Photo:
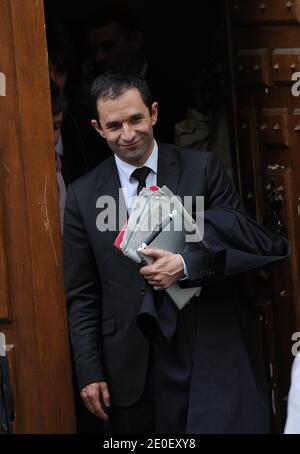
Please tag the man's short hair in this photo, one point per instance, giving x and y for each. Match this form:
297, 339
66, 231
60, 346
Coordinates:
111, 85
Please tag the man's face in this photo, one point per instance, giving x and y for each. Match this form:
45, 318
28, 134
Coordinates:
111, 49
57, 122
127, 126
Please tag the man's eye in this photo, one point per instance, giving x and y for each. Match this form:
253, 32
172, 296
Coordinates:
113, 127
136, 120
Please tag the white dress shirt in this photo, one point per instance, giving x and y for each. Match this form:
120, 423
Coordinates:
129, 184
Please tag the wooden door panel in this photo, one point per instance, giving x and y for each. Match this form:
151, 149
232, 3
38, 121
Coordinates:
3, 279
249, 162
264, 37
273, 127
285, 62
283, 284
32, 307
266, 315
254, 67
265, 11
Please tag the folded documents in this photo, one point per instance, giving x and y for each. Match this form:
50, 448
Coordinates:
159, 221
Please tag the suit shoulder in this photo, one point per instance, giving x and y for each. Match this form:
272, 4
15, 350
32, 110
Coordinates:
197, 155
190, 156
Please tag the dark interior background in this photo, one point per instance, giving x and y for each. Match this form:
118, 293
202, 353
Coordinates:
179, 39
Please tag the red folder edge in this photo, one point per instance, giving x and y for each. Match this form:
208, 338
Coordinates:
119, 238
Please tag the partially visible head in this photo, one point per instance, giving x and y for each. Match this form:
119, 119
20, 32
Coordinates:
61, 54
114, 40
58, 71
58, 107
125, 115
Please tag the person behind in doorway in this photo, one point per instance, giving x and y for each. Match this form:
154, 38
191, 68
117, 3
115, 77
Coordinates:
78, 143
58, 105
116, 42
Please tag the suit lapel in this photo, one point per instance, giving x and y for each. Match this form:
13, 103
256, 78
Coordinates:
110, 185
168, 167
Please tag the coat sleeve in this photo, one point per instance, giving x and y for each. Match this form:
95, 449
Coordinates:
83, 291
233, 242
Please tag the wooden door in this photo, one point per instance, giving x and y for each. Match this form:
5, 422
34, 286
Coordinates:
264, 39
32, 302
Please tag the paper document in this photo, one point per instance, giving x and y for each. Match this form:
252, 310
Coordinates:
159, 221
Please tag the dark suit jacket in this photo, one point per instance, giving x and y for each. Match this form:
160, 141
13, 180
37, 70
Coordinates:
105, 293
6, 398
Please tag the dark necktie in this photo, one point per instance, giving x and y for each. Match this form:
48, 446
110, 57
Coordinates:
140, 175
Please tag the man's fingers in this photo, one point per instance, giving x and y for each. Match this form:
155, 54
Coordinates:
92, 395
105, 396
146, 271
155, 253
150, 276
155, 281
96, 408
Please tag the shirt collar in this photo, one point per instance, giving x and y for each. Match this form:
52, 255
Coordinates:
126, 169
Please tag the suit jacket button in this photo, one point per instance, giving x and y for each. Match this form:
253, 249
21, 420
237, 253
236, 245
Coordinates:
142, 290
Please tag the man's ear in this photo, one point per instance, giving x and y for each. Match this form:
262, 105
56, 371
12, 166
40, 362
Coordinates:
154, 113
96, 125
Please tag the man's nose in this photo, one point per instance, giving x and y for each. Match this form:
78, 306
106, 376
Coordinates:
127, 133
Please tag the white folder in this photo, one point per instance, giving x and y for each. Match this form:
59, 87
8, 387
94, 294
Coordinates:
167, 238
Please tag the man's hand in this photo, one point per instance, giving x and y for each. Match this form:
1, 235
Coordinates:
166, 269
92, 396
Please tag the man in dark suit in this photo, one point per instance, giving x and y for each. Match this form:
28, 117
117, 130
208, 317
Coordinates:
200, 370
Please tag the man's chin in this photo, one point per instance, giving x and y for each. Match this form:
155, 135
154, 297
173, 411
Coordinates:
132, 157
